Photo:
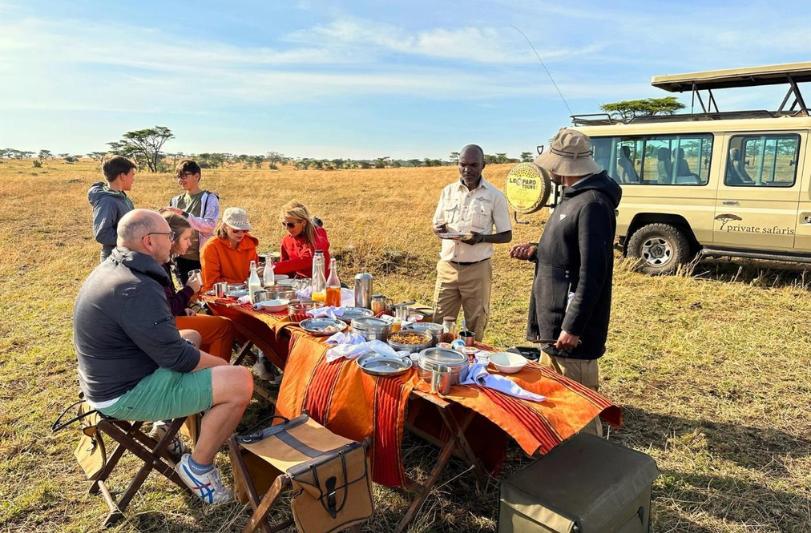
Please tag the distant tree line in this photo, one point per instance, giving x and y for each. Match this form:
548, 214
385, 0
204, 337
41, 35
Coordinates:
145, 147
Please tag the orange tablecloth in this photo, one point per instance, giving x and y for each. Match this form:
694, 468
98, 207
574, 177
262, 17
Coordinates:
356, 405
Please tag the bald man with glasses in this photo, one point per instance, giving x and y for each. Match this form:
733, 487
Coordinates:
133, 363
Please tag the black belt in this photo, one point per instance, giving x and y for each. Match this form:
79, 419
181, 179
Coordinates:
459, 263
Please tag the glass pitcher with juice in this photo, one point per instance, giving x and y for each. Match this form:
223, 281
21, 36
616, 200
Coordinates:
333, 292
319, 282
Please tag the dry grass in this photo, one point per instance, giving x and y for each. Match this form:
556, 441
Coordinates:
712, 366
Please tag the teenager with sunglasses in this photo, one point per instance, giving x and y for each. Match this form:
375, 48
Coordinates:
302, 240
227, 257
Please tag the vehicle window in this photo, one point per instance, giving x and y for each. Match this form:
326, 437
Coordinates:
762, 160
656, 159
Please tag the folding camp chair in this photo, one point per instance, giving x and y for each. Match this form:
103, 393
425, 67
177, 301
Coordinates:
154, 455
327, 474
91, 452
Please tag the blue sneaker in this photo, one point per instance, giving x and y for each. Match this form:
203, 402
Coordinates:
208, 487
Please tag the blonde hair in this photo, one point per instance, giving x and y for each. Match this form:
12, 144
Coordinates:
220, 231
298, 210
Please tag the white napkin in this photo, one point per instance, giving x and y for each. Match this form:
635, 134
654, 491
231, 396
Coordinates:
353, 351
305, 293
346, 338
477, 374
326, 312
244, 299
262, 305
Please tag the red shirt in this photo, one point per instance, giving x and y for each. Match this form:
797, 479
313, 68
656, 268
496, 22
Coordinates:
297, 255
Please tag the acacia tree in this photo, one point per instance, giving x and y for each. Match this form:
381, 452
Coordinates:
143, 145
645, 107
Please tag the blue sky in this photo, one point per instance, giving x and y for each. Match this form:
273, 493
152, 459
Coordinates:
360, 79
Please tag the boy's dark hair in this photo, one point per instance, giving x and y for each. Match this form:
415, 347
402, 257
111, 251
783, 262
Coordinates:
117, 165
187, 165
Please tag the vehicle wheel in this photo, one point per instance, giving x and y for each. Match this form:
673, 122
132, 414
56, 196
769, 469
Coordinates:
661, 247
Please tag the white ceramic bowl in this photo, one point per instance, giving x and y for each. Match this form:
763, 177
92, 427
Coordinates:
508, 362
278, 277
275, 306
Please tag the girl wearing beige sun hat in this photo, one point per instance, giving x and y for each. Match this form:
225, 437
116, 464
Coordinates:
227, 256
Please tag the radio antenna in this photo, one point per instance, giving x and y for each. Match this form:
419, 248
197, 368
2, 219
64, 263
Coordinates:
540, 60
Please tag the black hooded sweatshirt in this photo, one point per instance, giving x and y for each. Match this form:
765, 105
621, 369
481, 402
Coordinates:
575, 263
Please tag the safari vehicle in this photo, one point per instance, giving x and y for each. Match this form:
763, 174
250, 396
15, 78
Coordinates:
728, 184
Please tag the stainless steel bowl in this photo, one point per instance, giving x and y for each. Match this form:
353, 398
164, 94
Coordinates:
371, 328
433, 328
427, 340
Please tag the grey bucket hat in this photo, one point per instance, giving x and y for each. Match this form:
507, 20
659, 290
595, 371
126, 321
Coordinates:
569, 154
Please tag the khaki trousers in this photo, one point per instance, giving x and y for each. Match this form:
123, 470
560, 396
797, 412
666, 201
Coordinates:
465, 286
584, 371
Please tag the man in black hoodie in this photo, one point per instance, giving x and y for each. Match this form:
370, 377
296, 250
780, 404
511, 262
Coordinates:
110, 201
571, 294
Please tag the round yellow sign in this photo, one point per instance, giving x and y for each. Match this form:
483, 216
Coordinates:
527, 188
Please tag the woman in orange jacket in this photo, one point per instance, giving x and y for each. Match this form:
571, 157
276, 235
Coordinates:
227, 257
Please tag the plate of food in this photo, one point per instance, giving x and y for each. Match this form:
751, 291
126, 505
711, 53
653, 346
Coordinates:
455, 235
322, 326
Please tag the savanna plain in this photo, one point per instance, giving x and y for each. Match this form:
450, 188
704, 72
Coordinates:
712, 367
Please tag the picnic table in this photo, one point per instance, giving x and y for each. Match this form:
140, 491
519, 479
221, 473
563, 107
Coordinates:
471, 422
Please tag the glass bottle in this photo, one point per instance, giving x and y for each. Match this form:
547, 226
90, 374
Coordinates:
333, 296
448, 329
254, 283
319, 282
269, 276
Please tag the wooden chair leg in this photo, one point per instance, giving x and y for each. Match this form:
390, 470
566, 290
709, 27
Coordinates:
243, 351
259, 517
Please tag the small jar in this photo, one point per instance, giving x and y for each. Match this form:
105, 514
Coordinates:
448, 329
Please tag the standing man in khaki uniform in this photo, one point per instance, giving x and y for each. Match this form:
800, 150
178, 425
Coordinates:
474, 207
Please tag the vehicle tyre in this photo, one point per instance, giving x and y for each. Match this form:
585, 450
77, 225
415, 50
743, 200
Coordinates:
661, 247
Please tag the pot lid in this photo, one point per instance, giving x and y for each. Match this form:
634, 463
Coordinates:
368, 322
441, 356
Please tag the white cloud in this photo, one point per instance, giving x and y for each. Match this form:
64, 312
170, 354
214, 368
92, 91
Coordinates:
503, 46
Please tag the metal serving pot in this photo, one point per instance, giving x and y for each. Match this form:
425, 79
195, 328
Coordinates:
371, 328
280, 292
442, 368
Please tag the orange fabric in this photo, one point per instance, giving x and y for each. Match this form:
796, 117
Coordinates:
220, 262
217, 333
355, 405
267, 331
349, 402
537, 426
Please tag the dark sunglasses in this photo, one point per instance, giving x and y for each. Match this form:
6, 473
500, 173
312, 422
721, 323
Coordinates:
290, 225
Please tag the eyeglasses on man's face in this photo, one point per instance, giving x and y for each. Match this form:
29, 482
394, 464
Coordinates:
184, 176
170, 234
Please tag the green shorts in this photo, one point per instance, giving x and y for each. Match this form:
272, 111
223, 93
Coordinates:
164, 395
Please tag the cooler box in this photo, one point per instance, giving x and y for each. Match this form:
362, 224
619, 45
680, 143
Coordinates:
585, 485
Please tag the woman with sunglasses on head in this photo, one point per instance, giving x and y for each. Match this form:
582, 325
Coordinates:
217, 332
228, 255
302, 240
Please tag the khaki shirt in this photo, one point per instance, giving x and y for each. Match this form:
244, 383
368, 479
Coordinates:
479, 210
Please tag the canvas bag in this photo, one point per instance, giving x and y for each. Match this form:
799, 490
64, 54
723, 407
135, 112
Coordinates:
90, 452
329, 474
